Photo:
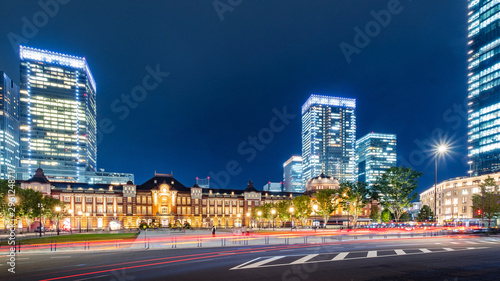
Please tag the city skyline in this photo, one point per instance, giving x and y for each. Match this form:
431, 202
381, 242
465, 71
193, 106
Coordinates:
205, 99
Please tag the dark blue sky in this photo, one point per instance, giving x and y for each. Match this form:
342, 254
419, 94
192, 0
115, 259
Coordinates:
227, 76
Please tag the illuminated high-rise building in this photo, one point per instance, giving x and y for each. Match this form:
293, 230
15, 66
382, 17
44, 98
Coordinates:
484, 87
328, 137
375, 153
273, 187
58, 115
292, 175
9, 127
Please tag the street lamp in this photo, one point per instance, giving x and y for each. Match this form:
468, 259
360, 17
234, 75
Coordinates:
273, 212
439, 151
315, 211
259, 213
40, 205
291, 217
70, 211
80, 222
58, 210
87, 215
238, 216
248, 219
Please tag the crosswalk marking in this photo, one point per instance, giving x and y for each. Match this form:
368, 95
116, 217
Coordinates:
262, 262
400, 252
454, 242
304, 259
490, 242
324, 257
371, 254
340, 256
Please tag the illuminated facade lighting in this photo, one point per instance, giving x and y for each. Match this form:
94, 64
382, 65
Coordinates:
483, 87
292, 175
375, 153
328, 137
58, 115
9, 126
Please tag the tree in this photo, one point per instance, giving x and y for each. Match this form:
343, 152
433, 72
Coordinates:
488, 202
375, 213
302, 208
386, 215
354, 197
397, 189
49, 209
425, 214
326, 200
283, 210
28, 207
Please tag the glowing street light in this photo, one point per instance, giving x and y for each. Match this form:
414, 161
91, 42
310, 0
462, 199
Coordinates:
273, 212
291, 210
80, 223
441, 149
58, 210
259, 213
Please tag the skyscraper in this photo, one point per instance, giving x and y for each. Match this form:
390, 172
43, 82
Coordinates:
484, 87
58, 114
328, 137
375, 153
292, 175
9, 127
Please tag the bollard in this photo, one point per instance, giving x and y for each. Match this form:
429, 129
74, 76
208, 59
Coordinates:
55, 246
19, 248
385, 236
340, 237
50, 245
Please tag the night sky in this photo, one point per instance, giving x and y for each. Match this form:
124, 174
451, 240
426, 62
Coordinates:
228, 72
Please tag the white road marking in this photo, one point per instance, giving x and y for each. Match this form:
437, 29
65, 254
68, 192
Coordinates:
454, 242
61, 257
340, 256
262, 262
471, 242
400, 252
371, 254
425, 251
448, 249
243, 264
304, 259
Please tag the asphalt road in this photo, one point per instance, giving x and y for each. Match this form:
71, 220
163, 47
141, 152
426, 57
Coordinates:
404, 259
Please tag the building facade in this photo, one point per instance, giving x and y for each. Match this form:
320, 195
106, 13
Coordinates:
9, 127
164, 201
292, 175
375, 153
273, 187
328, 137
484, 87
454, 197
58, 114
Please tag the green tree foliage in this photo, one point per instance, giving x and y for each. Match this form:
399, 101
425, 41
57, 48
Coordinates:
396, 188
375, 213
425, 214
353, 198
386, 215
283, 210
488, 201
302, 208
326, 200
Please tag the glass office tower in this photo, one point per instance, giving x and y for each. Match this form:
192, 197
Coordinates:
9, 127
58, 115
484, 87
292, 175
375, 153
328, 137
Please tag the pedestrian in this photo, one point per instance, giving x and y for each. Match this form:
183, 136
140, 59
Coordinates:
213, 231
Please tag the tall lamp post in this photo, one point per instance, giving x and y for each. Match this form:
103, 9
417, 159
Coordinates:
248, 220
315, 211
70, 211
440, 151
259, 213
58, 210
40, 206
273, 212
80, 221
291, 217
87, 215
